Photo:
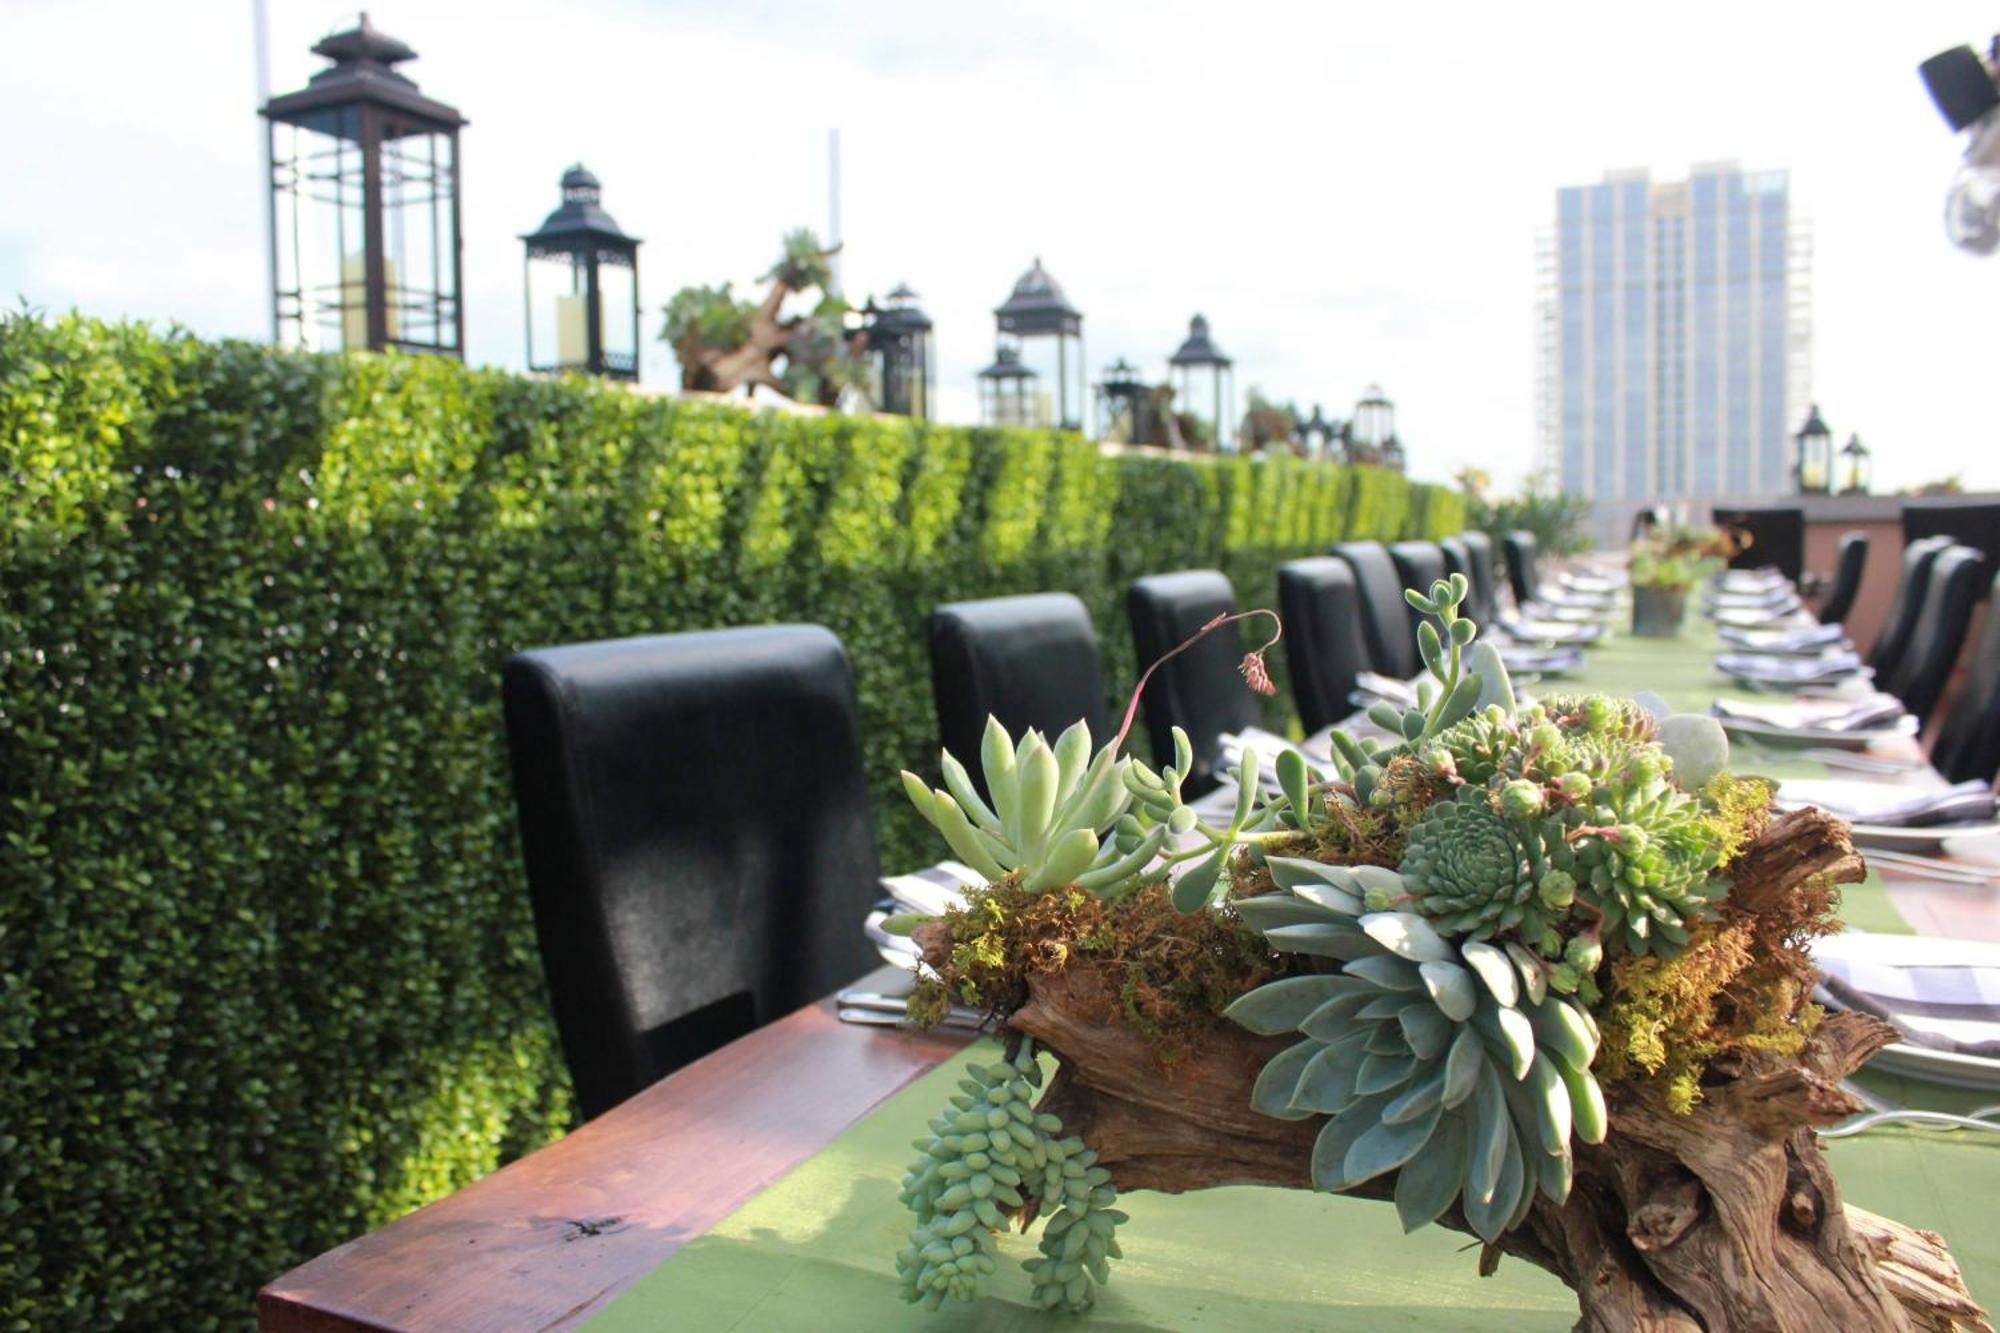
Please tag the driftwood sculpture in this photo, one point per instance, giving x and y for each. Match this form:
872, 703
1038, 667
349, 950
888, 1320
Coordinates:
1723, 1218
724, 344
1537, 973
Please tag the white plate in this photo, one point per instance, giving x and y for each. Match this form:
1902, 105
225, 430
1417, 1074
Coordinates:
1947, 1067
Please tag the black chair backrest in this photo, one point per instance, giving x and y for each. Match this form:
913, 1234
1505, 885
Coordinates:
1458, 560
1949, 596
1650, 521
1848, 564
1485, 586
1385, 620
1777, 538
1522, 553
1976, 525
1418, 565
1968, 743
1030, 661
1202, 690
699, 844
1325, 647
1904, 605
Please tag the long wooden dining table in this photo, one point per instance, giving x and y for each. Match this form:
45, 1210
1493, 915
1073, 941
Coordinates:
549, 1240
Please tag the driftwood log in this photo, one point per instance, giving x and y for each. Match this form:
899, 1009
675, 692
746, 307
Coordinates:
1724, 1219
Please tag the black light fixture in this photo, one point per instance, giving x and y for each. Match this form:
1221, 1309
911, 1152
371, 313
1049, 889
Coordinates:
1856, 467
1124, 405
1814, 461
1008, 395
1204, 385
1318, 434
1045, 333
1372, 427
581, 279
364, 205
898, 337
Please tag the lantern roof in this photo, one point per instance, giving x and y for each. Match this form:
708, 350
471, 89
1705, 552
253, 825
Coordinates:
1007, 366
1199, 349
363, 71
898, 314
1037, 305
580, 221
1854, 448
1317, 424
1814, 426
1121, 374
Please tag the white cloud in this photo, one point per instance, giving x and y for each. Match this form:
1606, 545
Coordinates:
1349, 193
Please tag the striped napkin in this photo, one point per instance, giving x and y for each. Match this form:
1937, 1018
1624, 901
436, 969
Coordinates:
1943, 994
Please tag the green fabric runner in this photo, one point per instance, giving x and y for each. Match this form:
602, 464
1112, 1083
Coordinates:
816, 1250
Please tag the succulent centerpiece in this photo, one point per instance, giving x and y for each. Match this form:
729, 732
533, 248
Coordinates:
1537, 973
1664, 567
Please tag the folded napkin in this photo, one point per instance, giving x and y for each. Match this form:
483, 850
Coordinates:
1372, 685
932, 889
1551, 631
1747, 617
1269, 745
1522, 658
1771, 597
1873, 712
1592, 584
1943, 994
1749, 580
1791, 670
1810, 640
1893, 805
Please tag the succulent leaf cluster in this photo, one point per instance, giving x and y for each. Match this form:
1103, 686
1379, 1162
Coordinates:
1444, 1059
1051, 807
993, 1150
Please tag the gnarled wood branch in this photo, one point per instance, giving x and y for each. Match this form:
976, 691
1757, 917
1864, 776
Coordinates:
1724, 1218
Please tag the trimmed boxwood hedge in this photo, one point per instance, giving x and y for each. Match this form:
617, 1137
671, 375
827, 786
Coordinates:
267, 974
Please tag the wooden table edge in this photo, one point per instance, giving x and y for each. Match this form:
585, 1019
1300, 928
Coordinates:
377, 1282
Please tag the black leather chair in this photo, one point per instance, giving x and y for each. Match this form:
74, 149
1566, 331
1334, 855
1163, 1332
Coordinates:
1030, 661
1968, 742
1485, 583
1848, 564
1777, 538
699, 844
1385, 620
1949, 595
1202, 690
1418, 565
1901, 619
1325, 647
1522, 552
1975, 524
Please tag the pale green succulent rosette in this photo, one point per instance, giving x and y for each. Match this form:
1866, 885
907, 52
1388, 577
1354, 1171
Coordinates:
1443, 1059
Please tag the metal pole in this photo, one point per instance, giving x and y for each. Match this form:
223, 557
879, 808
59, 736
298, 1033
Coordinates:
833, 207
260, 37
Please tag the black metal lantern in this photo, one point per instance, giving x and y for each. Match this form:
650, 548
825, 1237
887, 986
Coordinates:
1045, 333
1814, 462
1392, 454
898, 335
1317, 434
1008, 394
1372, 427
1204, 385
581, 279
364, 205
1856, 466
1124, 405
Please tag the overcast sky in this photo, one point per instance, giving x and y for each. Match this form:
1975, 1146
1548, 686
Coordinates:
1350, 192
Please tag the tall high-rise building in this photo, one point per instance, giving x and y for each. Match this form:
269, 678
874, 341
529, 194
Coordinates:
1674, 341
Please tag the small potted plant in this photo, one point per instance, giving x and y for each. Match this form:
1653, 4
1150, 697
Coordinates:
1664, 567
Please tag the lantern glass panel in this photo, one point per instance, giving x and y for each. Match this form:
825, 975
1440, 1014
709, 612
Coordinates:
419, 277
321, 235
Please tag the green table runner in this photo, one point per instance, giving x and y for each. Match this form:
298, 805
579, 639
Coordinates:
816, 1250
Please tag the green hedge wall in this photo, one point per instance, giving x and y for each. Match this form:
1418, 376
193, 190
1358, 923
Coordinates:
267, 974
